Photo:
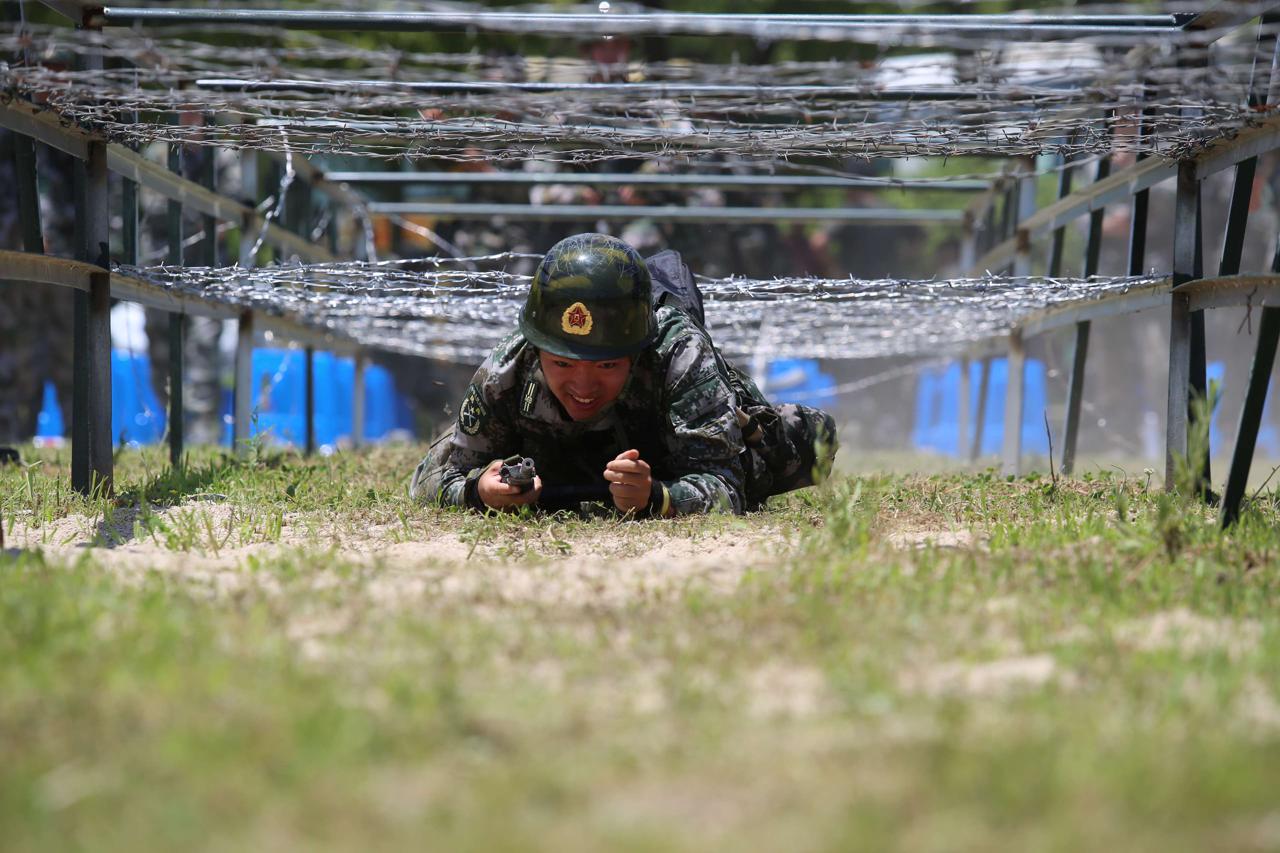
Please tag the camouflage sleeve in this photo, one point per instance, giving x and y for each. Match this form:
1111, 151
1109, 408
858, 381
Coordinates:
483, 432
704, 442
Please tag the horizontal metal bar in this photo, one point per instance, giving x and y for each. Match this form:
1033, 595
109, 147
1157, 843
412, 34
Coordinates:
63, 272
662, 90
987, 348
174, 187
708, 215
44, 125
652, 180
1225, 15
1253, 142
1119, 186
1122, 184
777, 26
20, 117
1233, 291
195, 197
145, 293
1142, 298
46, 269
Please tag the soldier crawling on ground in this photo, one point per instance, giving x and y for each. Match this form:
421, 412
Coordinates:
613, 387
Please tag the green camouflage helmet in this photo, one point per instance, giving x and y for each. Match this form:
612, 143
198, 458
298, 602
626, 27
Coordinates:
590, 299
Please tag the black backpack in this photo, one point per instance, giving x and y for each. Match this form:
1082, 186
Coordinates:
673, 284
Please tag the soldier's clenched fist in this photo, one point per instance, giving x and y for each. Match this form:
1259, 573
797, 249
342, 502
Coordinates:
630, 481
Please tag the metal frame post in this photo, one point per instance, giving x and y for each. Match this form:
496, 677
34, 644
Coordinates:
358, 399
1269, 328
1251, 412
1080, 351
965, 418
968, 243
1054, 264
209, 180
28, 192
1012, 456
249, 232
1016, 375
980, 410
177, 408
91, 444
243, 394
97, 232
1184, 226
309, 405
1198, 372
1138, 215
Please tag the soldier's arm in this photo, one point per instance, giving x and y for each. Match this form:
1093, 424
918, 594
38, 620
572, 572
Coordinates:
705, 443
452, 468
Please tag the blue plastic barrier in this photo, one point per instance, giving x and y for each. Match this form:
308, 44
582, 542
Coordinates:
50, 425
800, 381
937, 423
279, 400
137, 417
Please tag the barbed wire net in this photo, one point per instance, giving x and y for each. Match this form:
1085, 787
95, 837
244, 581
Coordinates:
305, 94
458, 309
320, 97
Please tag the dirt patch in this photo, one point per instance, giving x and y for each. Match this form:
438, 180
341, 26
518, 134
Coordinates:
581, 565
787, 690
999, 677
908, 538
1190, 634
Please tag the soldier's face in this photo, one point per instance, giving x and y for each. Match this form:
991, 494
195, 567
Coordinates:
584, 388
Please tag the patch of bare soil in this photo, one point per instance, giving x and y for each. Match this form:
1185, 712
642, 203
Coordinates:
1190, 634
584, 565
907, 537
999, 677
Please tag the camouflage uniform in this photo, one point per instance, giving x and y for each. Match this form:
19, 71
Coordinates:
683, 408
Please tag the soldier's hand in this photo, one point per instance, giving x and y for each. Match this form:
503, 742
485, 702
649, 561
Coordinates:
630, 481
500, 495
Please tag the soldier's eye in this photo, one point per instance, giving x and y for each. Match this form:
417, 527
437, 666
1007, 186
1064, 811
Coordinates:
608, 365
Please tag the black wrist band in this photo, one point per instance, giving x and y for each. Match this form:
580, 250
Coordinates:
657, 501
471, 491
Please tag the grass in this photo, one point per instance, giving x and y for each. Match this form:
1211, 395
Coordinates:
1090, 663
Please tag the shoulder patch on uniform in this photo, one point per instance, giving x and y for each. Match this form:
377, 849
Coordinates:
528, 397
473, 413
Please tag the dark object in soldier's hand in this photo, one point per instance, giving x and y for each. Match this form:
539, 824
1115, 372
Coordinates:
518, 471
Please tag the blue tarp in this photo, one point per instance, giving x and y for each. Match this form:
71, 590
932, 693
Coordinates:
280, 399
937, 425
938, 411
137, 417
800, 381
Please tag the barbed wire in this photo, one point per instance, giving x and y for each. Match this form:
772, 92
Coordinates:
1070, 103
457, 309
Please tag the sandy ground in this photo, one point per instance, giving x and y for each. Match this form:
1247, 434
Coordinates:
591, 567
595, 565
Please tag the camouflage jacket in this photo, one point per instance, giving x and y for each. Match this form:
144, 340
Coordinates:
676, 409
